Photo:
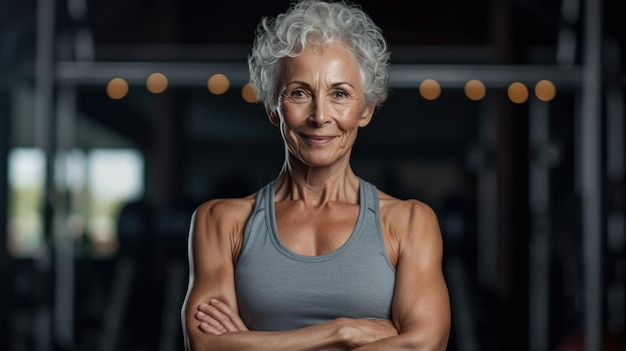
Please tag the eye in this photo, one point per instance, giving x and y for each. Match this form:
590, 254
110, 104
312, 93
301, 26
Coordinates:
340, 94
297, 95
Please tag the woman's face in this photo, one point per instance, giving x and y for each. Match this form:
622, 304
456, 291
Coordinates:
322, 105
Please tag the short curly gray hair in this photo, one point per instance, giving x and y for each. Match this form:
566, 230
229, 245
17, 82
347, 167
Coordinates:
318, 23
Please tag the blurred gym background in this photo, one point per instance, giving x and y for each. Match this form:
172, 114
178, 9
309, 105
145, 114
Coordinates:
119, 117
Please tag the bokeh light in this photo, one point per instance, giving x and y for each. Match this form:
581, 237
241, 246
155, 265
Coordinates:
218, 84
518, 92
117, 88
156, 83
475, 90
430, 89
545, 90
248, 94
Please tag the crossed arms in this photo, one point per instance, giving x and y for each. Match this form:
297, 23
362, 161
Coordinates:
420, 307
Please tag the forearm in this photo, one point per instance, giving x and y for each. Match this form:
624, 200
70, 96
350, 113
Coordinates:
216, 326
321, 337
414, 338
402, 343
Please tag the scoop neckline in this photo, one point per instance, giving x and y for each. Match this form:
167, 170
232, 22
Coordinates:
275, 238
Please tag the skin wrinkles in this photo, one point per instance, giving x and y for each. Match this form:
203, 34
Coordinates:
322, 106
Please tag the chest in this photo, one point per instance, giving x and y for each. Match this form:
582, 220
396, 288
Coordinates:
278, 288
315, 231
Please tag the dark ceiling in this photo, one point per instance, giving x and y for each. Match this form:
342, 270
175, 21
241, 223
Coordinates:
518, 23
451, 22
120, 27
201, 22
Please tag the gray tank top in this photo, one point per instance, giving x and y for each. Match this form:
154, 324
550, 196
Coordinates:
278, 289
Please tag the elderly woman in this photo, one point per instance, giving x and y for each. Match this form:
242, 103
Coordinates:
318, 259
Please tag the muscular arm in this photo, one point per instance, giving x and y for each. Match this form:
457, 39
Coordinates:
421, 306
214, 243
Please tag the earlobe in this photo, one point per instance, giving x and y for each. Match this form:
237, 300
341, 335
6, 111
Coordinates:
274, 118
367, 115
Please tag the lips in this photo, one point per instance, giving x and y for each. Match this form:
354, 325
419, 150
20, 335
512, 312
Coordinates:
318, 140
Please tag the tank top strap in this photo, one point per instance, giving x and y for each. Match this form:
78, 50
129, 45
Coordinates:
371, 195
264, 197
260, 205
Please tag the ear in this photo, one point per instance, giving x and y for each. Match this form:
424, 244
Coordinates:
368, 113
274, 118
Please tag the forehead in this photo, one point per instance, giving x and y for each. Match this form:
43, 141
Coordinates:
332, 60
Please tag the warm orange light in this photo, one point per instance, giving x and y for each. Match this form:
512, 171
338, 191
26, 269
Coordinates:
430, 89
545, 90
117, 88
475, 90
518, 93
248, 94
156, 83
218, 84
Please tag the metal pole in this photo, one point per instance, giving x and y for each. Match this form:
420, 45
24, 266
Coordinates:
4, 143
64, 235
591, 174
44, 116
5, 270
539, 246
401, 75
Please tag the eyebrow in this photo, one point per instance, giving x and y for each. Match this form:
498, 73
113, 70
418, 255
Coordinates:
334, 85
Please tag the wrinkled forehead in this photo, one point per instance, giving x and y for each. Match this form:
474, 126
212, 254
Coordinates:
331, 57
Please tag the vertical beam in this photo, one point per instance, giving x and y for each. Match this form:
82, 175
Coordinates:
44, 122
566, 44
64, 235
5, 270
4, 136
539, 246
590, 168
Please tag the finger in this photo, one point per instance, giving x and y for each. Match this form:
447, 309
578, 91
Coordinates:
211, 329
203, 307
222, 318
214, 319
209, 324
222, 307
233, 317
202, 317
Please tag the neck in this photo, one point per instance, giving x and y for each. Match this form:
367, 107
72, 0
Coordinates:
317, 185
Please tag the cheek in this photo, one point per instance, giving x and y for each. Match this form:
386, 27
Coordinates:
292, 114
350, 118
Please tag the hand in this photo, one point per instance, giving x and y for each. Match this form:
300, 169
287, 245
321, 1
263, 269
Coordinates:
218, 318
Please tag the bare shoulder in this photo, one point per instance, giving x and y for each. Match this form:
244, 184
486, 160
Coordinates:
410, 211
408, 222
228, 210
222, 220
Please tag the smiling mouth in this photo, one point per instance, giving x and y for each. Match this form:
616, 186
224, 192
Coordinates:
318, 140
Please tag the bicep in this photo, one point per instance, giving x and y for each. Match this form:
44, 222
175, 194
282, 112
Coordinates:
211, 272
421, 306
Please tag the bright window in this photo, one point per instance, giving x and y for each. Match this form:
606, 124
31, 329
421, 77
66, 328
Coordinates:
95, 185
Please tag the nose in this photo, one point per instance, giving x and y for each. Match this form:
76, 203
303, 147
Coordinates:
320, 113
